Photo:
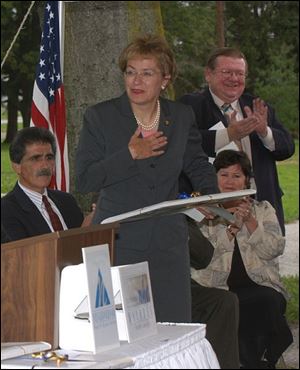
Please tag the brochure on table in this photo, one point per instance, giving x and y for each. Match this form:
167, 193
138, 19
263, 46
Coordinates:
134, 301
87, 317
187, 206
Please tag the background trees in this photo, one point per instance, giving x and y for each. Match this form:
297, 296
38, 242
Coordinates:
17, 75
266, 31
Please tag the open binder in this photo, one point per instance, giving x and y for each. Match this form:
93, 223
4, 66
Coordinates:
187, 206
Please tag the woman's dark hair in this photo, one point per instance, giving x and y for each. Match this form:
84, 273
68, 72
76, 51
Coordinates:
28, 136
227, 158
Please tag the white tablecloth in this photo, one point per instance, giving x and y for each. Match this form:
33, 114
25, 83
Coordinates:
175, 346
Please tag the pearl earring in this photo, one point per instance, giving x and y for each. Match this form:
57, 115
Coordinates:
163, 87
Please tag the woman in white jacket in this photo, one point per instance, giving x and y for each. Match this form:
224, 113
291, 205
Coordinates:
245, 261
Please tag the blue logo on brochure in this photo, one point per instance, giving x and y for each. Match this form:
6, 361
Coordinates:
144, 295
102, 298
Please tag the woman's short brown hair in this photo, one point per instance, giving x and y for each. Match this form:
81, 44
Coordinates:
150, 45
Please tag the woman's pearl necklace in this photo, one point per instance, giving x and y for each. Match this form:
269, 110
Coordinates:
155, 122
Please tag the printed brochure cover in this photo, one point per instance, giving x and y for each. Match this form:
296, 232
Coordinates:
102, 315
134, 301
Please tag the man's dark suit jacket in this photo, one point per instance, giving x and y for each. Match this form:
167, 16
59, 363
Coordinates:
263, 161
21, 218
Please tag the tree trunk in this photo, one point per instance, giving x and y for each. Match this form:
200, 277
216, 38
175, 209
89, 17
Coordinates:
12, 114
220, 23
95, 34
25, 104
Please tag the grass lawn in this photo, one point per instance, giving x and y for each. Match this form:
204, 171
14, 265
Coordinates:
8, 177
291, 284
288, 172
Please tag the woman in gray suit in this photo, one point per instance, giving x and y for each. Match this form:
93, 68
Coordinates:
132, 150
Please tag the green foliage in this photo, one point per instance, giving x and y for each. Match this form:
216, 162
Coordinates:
18, 72
266, 32
8, 176
278, 81
288, 172
273, 56
23, 56
259, 28
190, 29
291, 283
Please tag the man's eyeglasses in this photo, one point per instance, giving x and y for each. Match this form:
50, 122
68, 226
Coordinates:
227, 73
145, 75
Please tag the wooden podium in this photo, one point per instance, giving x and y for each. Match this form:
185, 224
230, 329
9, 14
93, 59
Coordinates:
30, 280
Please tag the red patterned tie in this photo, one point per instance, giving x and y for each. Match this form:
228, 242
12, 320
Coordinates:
55, 221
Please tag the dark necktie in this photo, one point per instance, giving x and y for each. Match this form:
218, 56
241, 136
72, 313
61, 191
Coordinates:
55, 221
227, 109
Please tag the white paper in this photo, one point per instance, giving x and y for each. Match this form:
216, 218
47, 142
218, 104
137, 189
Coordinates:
218, 126
230, 146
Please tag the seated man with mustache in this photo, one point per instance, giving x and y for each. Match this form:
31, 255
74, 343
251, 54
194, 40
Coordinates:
31, 208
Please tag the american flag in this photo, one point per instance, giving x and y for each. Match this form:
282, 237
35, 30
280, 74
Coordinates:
48, 105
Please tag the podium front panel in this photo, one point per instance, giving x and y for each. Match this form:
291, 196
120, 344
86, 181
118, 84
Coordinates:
30, 280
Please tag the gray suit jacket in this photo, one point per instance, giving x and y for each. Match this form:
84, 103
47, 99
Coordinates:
104, 164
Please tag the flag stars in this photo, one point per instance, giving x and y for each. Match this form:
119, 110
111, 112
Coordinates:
49, 75
42, 76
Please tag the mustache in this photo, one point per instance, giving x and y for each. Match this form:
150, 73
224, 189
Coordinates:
44, 172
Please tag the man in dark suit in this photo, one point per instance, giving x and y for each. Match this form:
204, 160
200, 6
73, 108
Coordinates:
227, 116
23, 211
